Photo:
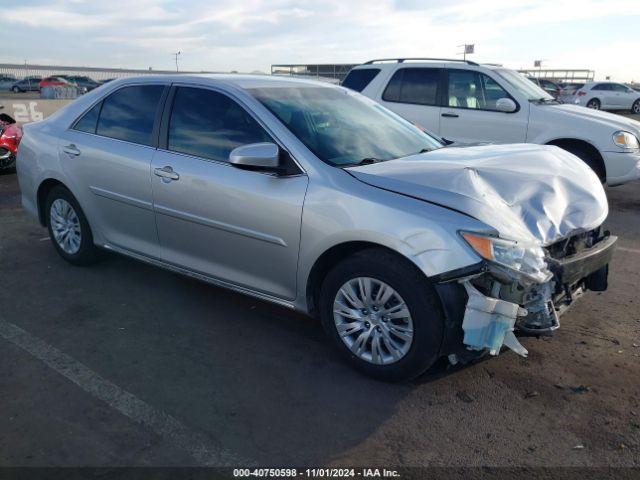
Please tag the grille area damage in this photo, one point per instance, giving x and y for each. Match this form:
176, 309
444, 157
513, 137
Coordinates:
501, 302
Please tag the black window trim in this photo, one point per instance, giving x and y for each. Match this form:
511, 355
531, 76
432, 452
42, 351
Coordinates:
163, 127
446, 89
156, 119
439, 92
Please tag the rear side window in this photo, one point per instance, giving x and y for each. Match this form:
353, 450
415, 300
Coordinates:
359, 79
209, 124
129, 113
89, 121
413, 85
602, 86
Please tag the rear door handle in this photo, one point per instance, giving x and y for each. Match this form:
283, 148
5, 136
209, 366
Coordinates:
450, 115
166, 172
71, 149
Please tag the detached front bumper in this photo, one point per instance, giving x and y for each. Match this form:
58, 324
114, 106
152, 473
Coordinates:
483, 309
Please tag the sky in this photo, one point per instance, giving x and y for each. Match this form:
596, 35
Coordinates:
250, 35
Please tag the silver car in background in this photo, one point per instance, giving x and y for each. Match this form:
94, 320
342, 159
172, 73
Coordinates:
321, 200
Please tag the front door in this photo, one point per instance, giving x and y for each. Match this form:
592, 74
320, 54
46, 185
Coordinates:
241, 227
470, 114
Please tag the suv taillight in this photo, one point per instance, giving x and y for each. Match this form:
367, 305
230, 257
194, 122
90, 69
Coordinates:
581, 93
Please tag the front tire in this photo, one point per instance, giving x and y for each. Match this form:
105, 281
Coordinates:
635, 108
69, 229
383, 314
15, 90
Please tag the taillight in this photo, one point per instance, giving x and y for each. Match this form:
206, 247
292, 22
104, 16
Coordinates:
581, 93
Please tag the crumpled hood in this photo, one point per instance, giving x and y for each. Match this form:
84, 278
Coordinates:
529, 193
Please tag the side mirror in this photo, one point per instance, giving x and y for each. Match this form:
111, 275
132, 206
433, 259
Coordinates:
506, 105
256, 156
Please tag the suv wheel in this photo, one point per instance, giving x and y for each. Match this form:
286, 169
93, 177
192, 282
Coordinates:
15, 90
594, 104
636, 107
69, 229
383, 315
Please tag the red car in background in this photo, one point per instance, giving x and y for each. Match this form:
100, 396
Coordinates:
53, 82
10, 136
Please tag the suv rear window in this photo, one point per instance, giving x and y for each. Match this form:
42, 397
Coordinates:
358, 79
413, 85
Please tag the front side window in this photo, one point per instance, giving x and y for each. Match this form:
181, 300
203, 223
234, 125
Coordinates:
475, 90
129, 113
358, 79
619, 88
413, 85
343, 128
209, 124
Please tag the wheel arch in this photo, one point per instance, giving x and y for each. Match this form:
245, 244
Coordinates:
43, 191
567, 142
331, 257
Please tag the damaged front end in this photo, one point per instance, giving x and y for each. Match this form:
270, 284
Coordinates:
520, 289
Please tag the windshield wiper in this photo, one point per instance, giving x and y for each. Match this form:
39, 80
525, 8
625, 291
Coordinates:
367, 161
543, 100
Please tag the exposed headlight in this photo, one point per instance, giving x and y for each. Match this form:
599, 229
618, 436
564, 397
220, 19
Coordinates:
626, 140
527, 260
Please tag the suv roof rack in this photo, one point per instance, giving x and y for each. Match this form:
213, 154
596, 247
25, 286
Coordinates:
402, 60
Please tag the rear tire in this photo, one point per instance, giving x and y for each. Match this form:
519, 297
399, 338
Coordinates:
594, 104
393, 358
68, 228
15, 90
635, 108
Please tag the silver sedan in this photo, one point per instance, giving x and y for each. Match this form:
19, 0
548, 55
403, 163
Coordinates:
313, 197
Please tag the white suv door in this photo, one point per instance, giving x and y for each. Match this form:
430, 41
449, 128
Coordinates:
469, 112
414, 94
624, 96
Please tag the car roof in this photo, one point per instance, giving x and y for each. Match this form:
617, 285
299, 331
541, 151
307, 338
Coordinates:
238, 80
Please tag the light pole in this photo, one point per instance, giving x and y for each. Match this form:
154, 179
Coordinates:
176, 54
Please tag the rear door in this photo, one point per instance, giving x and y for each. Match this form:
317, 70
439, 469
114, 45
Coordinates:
470, 114
414, 93
241, 227
107, 153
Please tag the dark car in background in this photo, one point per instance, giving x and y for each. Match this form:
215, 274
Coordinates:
27, 84
84, 83
548, 86
6, 80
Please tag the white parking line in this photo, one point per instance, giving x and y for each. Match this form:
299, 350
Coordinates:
630, 250
197, 445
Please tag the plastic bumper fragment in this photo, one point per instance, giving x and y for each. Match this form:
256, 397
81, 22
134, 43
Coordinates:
489, 322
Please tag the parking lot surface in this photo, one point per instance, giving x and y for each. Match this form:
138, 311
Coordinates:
125, 364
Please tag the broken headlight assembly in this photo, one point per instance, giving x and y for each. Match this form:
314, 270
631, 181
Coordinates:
525, 259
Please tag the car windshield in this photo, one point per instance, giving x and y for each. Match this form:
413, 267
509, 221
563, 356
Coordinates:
343, 128
523, 85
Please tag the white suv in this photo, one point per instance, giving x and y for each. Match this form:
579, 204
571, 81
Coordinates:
465, 102
606, 96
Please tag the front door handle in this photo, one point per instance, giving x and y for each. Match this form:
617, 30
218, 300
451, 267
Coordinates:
450, 115
71, 149
166, 172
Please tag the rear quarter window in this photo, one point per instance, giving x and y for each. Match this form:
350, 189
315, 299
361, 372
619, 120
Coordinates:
359, 79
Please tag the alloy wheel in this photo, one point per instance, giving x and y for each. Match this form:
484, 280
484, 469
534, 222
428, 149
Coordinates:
373, 320
65, 226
